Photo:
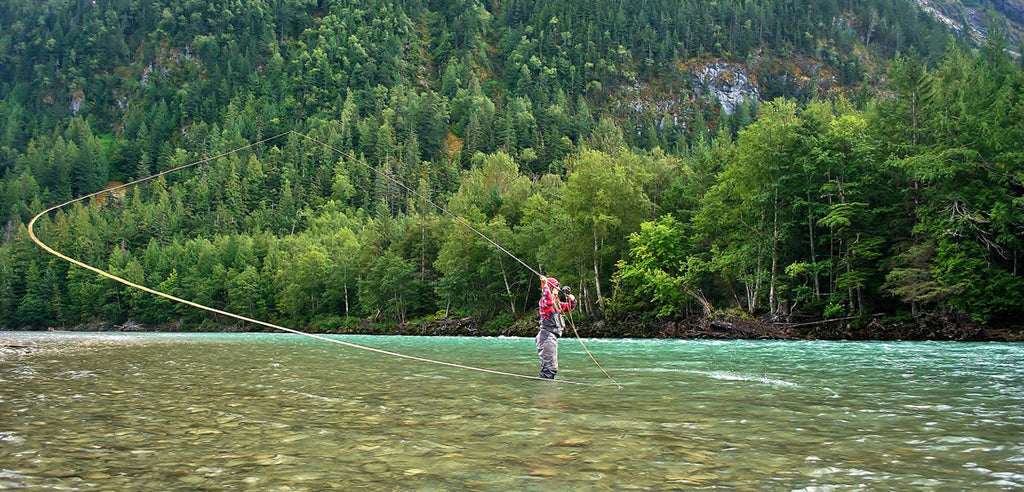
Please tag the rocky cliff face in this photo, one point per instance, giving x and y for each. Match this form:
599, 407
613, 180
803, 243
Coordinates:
724, 85
973, 20
1012, 9
729, 84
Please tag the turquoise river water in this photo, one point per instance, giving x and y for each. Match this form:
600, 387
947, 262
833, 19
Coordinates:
285, 412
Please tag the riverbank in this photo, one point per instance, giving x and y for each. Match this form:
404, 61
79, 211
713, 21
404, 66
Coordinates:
937, 328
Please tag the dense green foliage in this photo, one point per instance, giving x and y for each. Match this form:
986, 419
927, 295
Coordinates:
908, 195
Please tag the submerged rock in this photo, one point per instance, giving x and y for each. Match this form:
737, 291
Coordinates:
570, 443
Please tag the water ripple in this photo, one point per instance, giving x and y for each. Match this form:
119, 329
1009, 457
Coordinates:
260, 411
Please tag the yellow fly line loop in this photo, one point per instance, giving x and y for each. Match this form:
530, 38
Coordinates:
103, 273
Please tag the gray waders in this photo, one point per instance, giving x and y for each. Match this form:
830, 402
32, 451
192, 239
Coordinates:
547, 344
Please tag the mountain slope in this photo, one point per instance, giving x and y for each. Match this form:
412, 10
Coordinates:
699, 145
975, 18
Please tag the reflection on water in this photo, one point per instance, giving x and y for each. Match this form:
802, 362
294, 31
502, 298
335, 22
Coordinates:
282, 412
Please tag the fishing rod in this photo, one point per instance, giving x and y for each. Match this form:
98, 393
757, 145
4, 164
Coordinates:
572, 323
103, 273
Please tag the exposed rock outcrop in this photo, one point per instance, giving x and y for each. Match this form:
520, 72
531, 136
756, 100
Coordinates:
728, 83
972, 21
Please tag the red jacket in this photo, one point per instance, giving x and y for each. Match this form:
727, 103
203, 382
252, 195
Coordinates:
548, 305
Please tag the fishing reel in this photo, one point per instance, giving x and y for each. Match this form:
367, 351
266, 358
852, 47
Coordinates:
565, 289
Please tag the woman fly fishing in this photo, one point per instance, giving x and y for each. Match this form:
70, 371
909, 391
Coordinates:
551, 325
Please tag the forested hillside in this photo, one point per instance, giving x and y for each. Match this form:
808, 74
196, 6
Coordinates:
792, 160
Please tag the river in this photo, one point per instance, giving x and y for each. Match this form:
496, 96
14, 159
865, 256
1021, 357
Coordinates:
113, 411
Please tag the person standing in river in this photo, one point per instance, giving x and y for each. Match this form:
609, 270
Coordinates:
551, 325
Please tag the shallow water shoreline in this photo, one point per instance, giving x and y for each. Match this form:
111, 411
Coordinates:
880, 328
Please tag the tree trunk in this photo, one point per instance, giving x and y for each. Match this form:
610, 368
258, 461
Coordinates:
597, 278
753, 294
423, 248
346, 296
527, 297
811, 241
585, 294
849, 288
508, 288
775, 257
860, 286
771, 289
399, 307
